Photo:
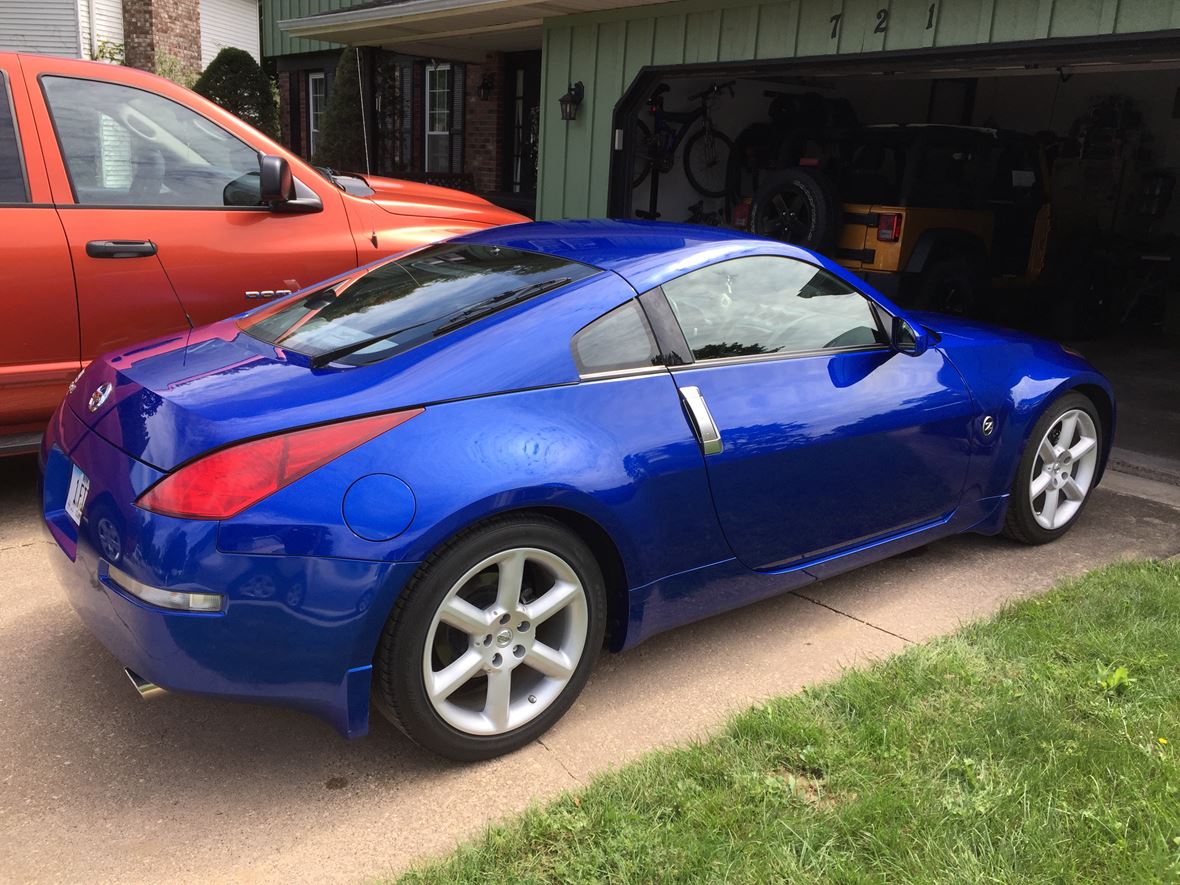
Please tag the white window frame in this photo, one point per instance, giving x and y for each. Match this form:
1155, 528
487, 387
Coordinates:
312, 76
428, 132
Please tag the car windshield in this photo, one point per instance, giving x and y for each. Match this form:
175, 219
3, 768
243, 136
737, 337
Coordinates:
414, 299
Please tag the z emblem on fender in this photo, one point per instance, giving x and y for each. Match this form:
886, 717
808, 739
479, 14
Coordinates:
989, 424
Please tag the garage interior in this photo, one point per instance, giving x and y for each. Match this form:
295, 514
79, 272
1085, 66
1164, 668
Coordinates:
1106, 116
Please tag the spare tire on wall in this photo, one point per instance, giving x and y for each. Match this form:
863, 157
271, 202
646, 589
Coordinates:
798, 206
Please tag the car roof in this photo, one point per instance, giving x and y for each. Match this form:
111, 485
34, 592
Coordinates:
644, 253
918, 128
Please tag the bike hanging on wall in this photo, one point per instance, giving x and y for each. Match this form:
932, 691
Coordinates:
706, 149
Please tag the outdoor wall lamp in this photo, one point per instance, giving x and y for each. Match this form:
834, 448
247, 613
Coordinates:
570, 101
486, 84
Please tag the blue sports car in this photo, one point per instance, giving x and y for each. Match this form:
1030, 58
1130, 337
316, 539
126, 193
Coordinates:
447, 480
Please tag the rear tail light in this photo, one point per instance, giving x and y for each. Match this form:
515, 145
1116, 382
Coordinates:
888, 227
225, 483
741, 214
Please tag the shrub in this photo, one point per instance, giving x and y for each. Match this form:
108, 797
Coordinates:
236, 82
340, 143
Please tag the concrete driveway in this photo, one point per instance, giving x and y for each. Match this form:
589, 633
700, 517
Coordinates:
96, 784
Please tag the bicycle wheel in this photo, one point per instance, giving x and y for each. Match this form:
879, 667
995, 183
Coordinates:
706, 159
644, 150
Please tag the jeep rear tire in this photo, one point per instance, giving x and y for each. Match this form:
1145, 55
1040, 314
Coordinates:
953, 285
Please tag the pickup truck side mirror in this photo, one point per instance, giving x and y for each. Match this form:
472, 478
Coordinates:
276, 183
908, 338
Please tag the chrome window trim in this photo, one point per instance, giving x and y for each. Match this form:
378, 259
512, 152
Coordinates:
786, 355
616, 374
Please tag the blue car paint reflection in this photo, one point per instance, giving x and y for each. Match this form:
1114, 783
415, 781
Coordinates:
830, 461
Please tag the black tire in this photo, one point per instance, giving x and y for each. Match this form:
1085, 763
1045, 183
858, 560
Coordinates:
707, 175
797, 206
643, 154
953, 284
398, 683
1020, 523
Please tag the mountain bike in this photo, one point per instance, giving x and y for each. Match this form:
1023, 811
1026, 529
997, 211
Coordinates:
706, 151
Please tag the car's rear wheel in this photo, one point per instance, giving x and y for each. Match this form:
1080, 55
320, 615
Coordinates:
493, 639
1057, 471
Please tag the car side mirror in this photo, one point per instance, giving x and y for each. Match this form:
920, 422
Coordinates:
276, 183
908, 338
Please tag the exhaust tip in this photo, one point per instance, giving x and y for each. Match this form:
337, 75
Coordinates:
146, 689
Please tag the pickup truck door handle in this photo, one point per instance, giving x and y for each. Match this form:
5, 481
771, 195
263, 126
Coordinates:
120, 248
702, 420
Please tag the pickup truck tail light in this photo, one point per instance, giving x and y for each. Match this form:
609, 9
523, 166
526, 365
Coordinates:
226, 482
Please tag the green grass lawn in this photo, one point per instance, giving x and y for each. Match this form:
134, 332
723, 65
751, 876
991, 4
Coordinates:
1040, 746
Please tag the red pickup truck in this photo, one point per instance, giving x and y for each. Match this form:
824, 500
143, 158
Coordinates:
131, 207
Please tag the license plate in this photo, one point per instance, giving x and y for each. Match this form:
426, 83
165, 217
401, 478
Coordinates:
76, 499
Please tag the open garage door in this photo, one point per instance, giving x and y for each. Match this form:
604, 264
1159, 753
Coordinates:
1030, 184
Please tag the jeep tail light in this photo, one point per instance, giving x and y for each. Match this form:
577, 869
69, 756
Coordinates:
226, 482
888, 227
741, 214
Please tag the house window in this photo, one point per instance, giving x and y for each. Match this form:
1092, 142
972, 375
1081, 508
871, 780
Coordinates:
317, 101
438, 118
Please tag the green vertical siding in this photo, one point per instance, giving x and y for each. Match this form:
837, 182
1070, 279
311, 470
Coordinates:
276, 42
605, 50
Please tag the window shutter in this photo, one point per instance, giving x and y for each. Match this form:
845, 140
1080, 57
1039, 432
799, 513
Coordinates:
458, 103
411, 124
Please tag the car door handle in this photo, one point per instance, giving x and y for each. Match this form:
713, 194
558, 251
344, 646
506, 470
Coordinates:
702, 420
120, 248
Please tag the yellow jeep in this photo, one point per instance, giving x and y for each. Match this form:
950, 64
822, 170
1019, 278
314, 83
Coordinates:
929, 214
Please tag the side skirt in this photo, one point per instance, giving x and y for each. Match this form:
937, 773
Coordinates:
718, 587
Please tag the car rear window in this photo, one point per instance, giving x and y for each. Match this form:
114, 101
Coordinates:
411, 300
873, 168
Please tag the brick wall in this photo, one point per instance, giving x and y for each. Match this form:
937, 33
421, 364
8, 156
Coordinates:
163, 35
486, 134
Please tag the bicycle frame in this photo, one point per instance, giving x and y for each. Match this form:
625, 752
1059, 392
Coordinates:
667, 138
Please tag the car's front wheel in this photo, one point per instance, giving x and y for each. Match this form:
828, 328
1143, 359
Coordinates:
1057, 471
493, 639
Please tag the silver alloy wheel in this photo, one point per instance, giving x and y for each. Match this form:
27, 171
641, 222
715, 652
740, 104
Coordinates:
525, 644
1063, 470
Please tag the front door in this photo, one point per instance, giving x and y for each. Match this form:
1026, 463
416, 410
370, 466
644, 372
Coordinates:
182, 192
828, 438
39, 336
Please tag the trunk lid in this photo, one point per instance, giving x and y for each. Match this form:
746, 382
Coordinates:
176, 398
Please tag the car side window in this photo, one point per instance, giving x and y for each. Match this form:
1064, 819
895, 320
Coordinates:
1017, 173
127, 147
768, 304
617, 340
12, 169
950, 172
